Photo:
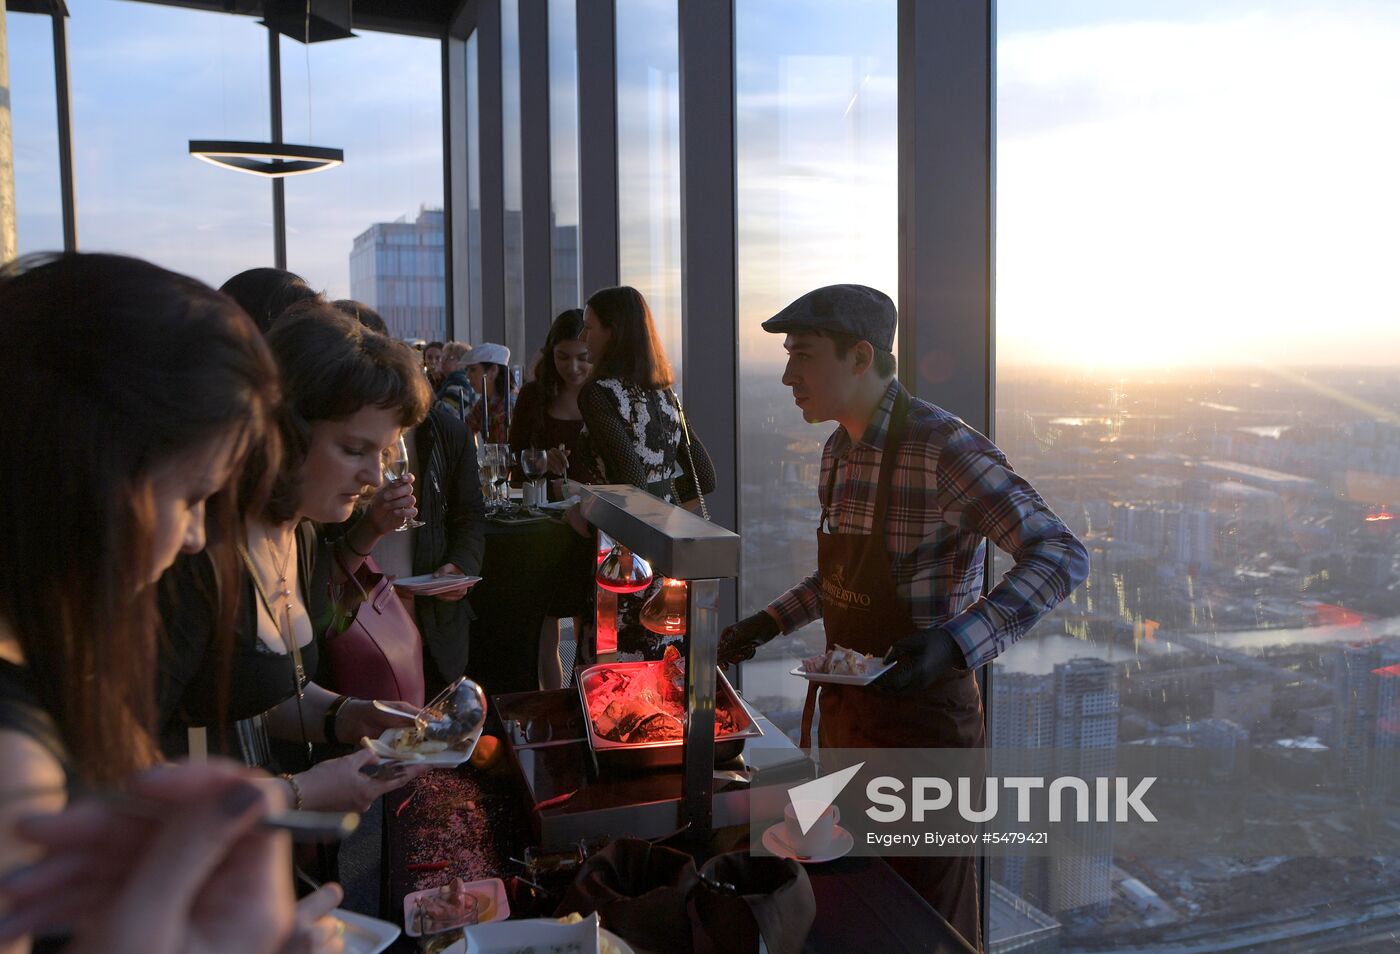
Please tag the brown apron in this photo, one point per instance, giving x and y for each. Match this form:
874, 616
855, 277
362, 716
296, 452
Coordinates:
862, 610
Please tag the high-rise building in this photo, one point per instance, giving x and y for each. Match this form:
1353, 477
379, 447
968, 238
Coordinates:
397, 269
1368, 694
1072, 714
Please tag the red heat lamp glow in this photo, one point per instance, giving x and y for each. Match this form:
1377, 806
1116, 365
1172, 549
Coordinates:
1378, 516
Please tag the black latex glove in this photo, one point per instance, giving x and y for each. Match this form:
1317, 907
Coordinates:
920, 659
741, 640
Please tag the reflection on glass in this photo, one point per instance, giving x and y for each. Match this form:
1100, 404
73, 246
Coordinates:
816, 140
513, 236
1220, 442
648, 162
563, 158
474, 281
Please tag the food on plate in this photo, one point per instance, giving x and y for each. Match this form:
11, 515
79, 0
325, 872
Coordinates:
452, 905
840, 661
409, 744
647, 704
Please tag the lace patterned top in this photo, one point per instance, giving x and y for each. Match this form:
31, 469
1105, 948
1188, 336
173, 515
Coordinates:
632, 435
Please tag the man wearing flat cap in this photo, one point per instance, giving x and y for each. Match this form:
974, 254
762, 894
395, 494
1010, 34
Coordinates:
910, 495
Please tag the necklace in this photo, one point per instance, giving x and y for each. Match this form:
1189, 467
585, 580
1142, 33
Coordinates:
284, 593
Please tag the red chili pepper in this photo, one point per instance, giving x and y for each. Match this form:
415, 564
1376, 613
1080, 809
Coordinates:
403, 804
428, 866
556, 800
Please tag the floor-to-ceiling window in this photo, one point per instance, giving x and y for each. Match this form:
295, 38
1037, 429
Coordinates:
473, 291
816, 140
371, 229
648, 162
1198, 365
512, 235
34, 133
563, 155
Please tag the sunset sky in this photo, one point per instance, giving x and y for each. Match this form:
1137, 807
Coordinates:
1179, 183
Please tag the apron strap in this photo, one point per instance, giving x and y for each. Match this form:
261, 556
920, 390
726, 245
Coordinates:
894, 437
809, 709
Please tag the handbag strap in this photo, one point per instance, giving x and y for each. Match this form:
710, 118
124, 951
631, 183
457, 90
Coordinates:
690, 455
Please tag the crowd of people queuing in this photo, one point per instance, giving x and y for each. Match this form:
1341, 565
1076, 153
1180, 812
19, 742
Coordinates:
192, 477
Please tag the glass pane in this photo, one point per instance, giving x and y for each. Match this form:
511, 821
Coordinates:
371, 229
563, 148
513, 238
474, 307
1199, 368
817, 180
648, 162
38, 199
138, 190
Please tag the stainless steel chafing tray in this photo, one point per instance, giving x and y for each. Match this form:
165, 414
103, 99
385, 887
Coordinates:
641, 755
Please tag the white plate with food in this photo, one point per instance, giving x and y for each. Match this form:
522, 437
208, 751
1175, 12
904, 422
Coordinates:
365, 935
572, 934
429, 585
407, 745
454, 905
840, 666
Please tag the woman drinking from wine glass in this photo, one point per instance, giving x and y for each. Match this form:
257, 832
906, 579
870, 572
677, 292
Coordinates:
348, 393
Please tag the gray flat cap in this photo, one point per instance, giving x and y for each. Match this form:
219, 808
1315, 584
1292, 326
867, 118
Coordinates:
857, 310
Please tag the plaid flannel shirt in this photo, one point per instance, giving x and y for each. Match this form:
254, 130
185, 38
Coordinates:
951, 487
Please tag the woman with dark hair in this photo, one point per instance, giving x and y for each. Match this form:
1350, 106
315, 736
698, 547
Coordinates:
631, 417
265, 293
546, 412
348, 393
633, 426
488, 370
134, 397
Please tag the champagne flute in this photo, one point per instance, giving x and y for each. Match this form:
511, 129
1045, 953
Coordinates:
486, 471
395, 470
533, 463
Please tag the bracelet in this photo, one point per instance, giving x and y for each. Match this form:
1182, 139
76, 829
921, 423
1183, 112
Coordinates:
332, 711
351, 547
296, 790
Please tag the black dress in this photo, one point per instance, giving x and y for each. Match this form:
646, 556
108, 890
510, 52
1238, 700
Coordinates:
633, 436
192, 693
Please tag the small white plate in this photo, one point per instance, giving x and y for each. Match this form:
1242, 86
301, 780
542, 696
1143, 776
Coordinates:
491, 905
841, 843
837, 679
429, 585
619, 946
559, 504
447, 758
365, 935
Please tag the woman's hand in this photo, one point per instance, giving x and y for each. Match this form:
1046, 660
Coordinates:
452, 596
361, 717
201, 878
392, 504
339, 785
557, 460
317, 931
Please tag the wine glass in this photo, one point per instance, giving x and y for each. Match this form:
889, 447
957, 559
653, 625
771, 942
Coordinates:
395, 470
502, 461
533, 463
486, 470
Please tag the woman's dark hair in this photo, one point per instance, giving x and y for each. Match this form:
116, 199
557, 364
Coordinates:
114, 366
502, 380
634, 354
266, 293
332, 366
568, 326
362, 313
